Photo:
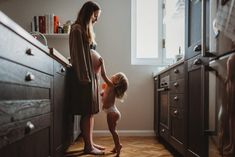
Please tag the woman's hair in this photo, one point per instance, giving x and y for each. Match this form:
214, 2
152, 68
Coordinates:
84, 17
121, 84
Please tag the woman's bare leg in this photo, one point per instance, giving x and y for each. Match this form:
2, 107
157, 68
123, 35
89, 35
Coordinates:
95, 145
86, 129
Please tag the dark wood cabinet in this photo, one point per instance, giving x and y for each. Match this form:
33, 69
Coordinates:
62, 120
170, 106
197, 144
156, 105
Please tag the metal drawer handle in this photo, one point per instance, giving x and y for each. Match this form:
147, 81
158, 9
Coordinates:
176, 98
197, 48
29, 77
176, 84
62, 69
176, 71
29, 52
197, 61
163, 130
176, 112
29, 127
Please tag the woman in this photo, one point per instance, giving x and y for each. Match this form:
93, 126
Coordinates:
85, 99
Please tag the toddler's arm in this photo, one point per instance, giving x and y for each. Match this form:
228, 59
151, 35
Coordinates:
103, 73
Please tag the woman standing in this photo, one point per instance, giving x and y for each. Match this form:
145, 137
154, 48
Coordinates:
85, 99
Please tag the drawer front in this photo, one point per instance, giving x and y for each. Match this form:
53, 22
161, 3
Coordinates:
13, 132
59, 68
21, 51
164, 132
177, 86
17, 74
177, 100
177, 72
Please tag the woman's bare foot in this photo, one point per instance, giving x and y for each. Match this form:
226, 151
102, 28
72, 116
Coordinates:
99, 146
94, 151
118, 149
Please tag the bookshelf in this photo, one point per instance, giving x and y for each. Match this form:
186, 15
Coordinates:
57, 36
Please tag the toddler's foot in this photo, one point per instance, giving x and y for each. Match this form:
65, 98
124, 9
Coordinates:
117, 150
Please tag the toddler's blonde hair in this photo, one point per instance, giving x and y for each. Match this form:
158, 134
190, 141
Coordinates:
121, 85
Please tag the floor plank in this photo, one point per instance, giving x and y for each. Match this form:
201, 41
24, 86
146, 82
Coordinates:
132, 147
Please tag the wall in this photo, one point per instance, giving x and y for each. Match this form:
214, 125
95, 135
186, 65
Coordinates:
113, 32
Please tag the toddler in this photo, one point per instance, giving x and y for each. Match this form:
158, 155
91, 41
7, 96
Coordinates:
112, 89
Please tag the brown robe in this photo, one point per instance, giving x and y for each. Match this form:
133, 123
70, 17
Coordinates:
84, 97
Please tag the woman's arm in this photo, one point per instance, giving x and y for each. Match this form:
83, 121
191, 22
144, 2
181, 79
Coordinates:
103, 73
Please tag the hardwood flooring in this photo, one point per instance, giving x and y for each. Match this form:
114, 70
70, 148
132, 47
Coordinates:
132, 147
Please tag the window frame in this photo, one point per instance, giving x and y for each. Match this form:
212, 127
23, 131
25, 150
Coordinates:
161, 60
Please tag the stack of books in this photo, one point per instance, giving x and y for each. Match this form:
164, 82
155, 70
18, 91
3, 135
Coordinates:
47, 24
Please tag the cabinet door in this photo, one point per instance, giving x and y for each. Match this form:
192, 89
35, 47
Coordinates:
193, 27
197, 144
35, 145
156, 106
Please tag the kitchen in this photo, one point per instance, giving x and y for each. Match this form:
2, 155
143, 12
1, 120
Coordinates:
114, 23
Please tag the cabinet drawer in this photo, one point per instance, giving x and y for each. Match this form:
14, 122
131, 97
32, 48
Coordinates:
177, 72
177, 86
17, 74
17, 49
59, 68
13, 132
164, 132
177, 100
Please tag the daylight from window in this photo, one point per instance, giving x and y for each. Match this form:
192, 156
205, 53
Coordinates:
157, 31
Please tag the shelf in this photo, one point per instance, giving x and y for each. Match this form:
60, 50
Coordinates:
56, 36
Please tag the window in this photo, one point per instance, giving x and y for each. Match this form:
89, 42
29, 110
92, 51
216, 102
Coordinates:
154, 39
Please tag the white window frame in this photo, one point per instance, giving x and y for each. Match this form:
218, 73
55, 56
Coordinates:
161, 60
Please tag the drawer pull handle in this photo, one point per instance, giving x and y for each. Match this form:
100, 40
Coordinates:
176, 84
176, 71
163, 130
29, 127
197, 48
29, 52
175, 112
29, 77
176, 98
197, 61
62, 69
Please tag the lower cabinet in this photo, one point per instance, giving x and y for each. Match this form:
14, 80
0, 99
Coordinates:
62, 120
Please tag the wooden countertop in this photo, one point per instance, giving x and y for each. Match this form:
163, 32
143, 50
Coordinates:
59, 57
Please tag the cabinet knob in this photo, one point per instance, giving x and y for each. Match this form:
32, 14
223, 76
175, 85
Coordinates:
29, 77
197, 48
62, 69
176, 84
176, 98
176, 71
29, 127
175, 112
197, 61
29, 52
163, 130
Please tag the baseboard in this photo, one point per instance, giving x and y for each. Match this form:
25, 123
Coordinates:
125, 133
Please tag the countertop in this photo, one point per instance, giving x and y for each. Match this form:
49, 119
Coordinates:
169, 67
13, 26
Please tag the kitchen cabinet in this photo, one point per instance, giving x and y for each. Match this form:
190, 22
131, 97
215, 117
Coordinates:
193, 29
170, 106
34, 121
62, 120
26, 92
197, 143
177, 108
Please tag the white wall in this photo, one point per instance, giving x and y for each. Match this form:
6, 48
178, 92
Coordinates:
113, 32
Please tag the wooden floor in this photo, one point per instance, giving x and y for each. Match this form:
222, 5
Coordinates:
132, 147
